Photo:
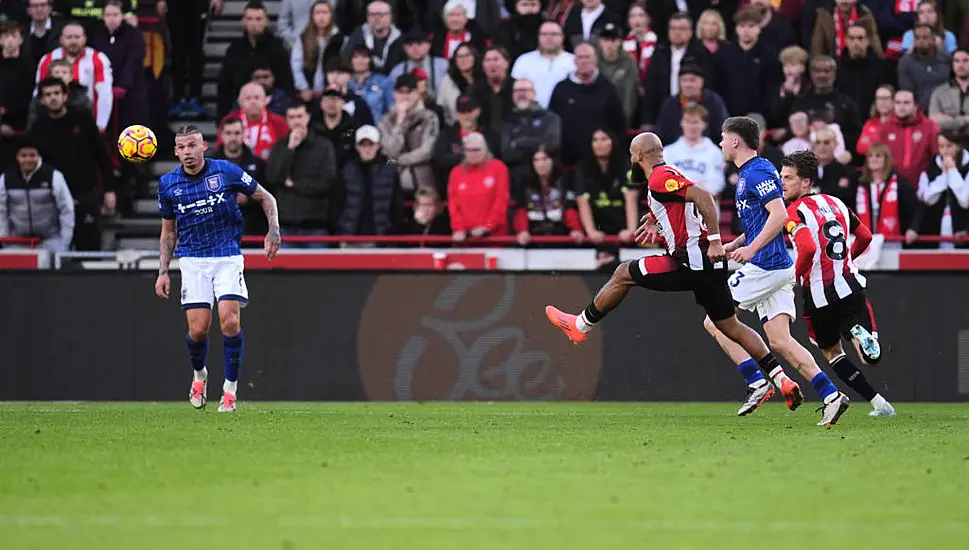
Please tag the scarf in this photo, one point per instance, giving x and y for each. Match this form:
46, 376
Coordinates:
906, 6
885, 220
452, 41
841, 29
641, 50
259, 136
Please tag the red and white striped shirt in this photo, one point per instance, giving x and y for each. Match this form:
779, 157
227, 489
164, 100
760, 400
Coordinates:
833, 275
683, 229
93, 71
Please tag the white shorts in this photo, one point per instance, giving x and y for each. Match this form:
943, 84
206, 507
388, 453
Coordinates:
208, 279
767, 293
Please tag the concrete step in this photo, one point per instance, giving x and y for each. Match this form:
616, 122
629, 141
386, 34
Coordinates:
215, 50
145, 208
137, 243
234, 9
208, 127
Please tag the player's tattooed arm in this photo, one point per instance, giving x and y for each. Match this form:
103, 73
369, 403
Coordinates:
166, 247
269, 207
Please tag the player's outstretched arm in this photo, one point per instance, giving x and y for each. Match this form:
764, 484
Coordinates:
166, 248
268, 203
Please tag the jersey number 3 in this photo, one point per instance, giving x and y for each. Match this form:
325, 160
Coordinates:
837, 247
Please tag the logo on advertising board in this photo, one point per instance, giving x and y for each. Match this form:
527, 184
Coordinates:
473, 338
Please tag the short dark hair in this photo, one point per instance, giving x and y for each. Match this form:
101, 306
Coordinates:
74, 23
502, 51
805, 163
297, 104
8, 27
255, 5
746, 129
681, 16
116, 3
918, 26
229, 120
51, 82
749, 14
188, 130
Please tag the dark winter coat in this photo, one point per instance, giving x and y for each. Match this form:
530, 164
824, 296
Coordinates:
73, 145
241, 59
312, 168
340, 137
573, 26
125, 49
843, 110
744, 77
376, 182
656, 85
519, 34
668, 126
584, 108
16, 89
39, 205
524, 131
859, 78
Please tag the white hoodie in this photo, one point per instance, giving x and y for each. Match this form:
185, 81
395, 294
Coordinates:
702, 163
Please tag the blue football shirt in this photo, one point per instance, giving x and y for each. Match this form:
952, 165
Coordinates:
207, 218
758, 184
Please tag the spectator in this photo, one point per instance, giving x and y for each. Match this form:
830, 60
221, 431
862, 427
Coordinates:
519, 34
775, 29
261, 127
124, 46
373, 203
494, 91
886, 201
949, 104
910, 136
295, 16
607, 204
584, 102
834, 177
417, 49
641, 40
380, 35
277, 100
257, 46
485, 14
711, 30
338, 71
822, 119
337, 126
449, 150
695, 154
927, 13
430, 215
77, 97
527, 129
943, 190
619, 68
424, 95
70, 141
375, 88
861, 72
546, 206
302, 171
881, 112
458, 31
92, 69
546, 66
663, 76
186, 31
478, 193
824, 96
35, 201
585, 22
409, 132
925, 68
90, 12
692, 92
794, 61
800, 134
831, 27
17, 84
233, 149
463, 71
43, 31
318, 42
746, 68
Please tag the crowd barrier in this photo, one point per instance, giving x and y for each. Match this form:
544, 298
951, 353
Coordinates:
360, 336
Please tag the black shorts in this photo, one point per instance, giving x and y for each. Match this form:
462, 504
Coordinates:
829, 324
709, 286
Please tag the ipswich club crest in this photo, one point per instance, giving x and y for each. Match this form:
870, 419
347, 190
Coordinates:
212, 182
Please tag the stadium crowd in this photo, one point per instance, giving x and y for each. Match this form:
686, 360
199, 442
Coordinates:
472, 118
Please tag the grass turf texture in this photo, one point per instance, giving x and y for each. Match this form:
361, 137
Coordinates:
462, 476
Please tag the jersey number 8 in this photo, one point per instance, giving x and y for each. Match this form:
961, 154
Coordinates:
837, 247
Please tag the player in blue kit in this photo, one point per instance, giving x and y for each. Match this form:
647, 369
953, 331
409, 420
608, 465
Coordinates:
202, 227
765, 283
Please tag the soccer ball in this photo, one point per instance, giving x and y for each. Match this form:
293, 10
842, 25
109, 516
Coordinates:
137, 144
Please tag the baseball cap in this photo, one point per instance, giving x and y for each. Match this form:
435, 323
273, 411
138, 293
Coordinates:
333, 91
419, 74
415, 35
693, 69
406, 82
466, 104
610, 30
367, 133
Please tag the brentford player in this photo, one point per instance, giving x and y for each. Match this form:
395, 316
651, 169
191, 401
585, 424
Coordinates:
835, 303
696, 260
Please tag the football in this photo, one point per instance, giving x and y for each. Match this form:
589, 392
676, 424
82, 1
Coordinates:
137, 144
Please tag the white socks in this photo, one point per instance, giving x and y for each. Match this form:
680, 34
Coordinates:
200, 375
230, 387
879, 402
583, 324
777, 375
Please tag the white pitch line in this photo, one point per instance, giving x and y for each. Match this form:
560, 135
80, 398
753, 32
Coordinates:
459, 523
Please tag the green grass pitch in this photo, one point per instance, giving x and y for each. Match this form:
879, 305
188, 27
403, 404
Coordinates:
469, 476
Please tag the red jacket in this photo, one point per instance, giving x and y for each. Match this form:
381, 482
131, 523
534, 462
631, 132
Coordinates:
869, 134
912, 143
259, 135
478, 196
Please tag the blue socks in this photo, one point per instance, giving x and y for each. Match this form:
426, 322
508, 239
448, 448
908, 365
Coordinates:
750, 370
232, 353
822, 384
197, 352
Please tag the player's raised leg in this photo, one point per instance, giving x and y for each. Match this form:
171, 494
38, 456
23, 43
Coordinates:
758, 390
